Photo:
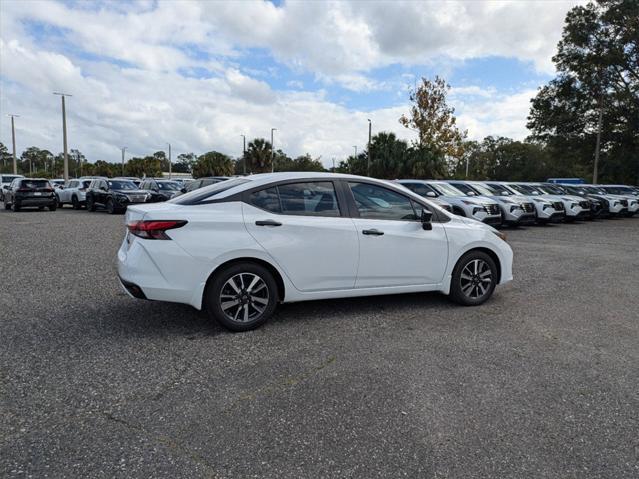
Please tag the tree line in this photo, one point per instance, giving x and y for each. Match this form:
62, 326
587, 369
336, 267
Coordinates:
583, 123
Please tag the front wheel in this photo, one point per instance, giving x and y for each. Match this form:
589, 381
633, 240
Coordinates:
15, 207
75, 203
241, 297
110, 206
474, 279
90, 204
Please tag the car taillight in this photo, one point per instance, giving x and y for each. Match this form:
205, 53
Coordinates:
47, 190
23, 190
154, 229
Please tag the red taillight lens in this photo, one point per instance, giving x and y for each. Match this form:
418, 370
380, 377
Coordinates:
23, 190
47, 190
154, 229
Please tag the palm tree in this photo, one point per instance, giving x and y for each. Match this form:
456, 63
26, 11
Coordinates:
258, 156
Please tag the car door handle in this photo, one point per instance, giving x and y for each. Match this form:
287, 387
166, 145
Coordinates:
373, 232
268, 223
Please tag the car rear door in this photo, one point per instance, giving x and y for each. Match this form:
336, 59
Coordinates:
304, 227
395, 250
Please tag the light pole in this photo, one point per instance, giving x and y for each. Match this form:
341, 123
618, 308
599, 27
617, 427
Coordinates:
243, 153
355, 146
13, 139
272, 151
170, 166
64, 135
368, 156
123, 150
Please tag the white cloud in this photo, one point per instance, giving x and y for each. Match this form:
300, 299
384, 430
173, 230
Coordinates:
134, 69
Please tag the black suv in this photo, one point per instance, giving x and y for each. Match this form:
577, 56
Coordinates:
25, 192
113, 195
160, 190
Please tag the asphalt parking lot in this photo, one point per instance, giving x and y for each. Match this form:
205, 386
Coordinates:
542, 381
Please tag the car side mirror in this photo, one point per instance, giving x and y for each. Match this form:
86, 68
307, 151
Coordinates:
426, 219
471, 193
183, 190
431, 194
504, 193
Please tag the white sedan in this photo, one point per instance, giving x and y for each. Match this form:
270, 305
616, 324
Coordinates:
240, 247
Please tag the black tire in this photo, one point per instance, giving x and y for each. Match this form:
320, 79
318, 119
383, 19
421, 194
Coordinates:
7, 206
265, 297
59, 204
53, 206
15, 207
90, 204
110, 207
75, 203
40, 208
463, 288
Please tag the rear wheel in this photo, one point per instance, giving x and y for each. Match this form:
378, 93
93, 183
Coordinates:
474, 279
7, 206
90, 204
15, 207
241, 297
53, 206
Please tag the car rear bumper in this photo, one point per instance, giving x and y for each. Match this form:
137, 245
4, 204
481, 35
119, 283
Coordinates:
31, 201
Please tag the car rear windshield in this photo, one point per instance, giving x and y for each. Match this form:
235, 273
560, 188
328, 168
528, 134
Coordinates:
33, 184
208, 192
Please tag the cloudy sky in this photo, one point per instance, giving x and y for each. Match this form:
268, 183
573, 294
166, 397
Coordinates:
200, 74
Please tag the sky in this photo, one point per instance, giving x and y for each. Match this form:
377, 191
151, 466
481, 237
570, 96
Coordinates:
199, 75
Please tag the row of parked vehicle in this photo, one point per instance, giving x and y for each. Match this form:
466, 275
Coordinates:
497, 203
505, 203
93, 192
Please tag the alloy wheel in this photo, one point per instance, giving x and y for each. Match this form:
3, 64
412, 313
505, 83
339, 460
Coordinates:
244, 297
476, 278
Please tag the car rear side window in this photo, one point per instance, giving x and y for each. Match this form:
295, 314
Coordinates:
379, 203
317, 198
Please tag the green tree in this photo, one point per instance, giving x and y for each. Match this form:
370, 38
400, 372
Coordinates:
593, 104
213, 163
258, 156
6, 158
301, 163
389, 156
184, 163
434, 121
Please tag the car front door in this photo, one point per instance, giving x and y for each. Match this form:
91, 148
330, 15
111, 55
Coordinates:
395, 249
306, 230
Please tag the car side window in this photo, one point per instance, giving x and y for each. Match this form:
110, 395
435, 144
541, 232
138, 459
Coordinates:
379, 203
419, 188
317, 198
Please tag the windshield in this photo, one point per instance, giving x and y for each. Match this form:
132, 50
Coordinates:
168, 185
551, 190
576, 190
618, 190
464, 188
122, 185
446, 190
483, 190
9, 178
208, 192
595, 189
498, 189
525, 189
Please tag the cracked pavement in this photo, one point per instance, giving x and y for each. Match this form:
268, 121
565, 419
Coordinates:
542, 381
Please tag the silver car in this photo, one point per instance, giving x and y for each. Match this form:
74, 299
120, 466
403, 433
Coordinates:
5, 181
74, 192
479, 208
546, 210
515, 209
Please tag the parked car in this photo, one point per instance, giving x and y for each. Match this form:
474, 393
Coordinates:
577, 207
113, 195
239, 247
192, 185
57, 183
617, 205
73, 193
481, 209
515, 210
625, 197
159, 189
29, 192
5, 181
546, 211
422, 191
558, 212
579, 190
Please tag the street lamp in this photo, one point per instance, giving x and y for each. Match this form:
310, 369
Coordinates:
13, 139
243, 153
123, 150
170, 165
272, 151
368, 156
355, 146
64, 134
